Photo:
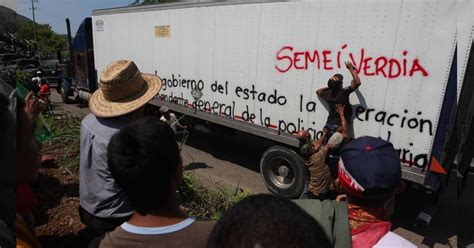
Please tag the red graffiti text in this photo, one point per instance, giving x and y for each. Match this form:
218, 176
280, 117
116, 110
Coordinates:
388, 67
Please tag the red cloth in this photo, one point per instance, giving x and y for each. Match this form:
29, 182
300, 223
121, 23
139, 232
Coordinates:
368, 226
44, 89
25, 199
44, 92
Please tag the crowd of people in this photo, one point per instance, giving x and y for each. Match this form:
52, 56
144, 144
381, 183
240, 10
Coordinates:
130, 169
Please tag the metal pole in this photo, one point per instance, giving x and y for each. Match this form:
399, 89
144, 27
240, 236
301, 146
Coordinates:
34, 24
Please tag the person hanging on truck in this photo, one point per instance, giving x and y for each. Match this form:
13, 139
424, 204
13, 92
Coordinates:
369, 175
121, 99
145, 161
321, 184
333, 156
334, 94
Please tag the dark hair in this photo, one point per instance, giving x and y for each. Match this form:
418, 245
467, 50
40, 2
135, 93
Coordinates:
143, 158
267, 221
334, 85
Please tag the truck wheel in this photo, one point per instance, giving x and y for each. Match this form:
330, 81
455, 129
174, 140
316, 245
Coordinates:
283, 171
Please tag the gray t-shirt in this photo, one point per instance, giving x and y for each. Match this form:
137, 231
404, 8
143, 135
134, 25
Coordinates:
98, 193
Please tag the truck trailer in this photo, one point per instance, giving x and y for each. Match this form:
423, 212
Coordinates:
254, 66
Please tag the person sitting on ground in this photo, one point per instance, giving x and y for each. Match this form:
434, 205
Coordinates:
145, 162
171, 119
370, 175
121, 99
267, 221
314, 153
336, 94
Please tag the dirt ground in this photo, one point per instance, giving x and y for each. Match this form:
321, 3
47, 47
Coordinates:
56, 218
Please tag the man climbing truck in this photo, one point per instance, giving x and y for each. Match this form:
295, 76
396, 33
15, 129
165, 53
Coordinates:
254, 67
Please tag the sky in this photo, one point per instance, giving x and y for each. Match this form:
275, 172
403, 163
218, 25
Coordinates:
55, 12
9, 3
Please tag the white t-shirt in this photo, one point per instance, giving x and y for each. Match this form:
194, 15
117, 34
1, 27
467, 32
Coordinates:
36, 80
392, 239
173, 121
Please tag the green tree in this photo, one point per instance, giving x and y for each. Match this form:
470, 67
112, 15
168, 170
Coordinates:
48, 41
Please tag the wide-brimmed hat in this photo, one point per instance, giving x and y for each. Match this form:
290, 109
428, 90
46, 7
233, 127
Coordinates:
123, 89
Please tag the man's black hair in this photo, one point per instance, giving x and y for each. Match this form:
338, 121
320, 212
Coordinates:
335, 85
143, 159
267, 221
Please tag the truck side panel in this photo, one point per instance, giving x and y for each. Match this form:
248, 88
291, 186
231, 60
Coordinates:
260, 64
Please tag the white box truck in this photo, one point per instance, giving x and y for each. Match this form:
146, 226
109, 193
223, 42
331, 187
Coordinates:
255, 67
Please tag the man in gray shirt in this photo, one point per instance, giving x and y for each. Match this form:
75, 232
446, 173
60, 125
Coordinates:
121, 99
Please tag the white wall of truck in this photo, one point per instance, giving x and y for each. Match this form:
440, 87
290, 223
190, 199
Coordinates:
285, 51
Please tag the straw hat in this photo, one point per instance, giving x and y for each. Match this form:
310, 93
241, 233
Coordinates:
123, 89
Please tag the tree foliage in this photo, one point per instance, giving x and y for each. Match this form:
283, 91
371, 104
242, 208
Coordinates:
48, 41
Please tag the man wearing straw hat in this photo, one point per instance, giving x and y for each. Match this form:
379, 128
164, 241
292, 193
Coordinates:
121, 99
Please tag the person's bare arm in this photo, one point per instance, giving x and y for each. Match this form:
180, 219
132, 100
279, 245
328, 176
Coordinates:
345, 125
320, 91
317, 143
355, 77
325, 150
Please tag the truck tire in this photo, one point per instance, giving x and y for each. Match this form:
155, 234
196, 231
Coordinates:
283, 171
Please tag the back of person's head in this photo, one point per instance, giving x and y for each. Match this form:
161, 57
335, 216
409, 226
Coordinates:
369, 170
304, 138
145, 162
267, 221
